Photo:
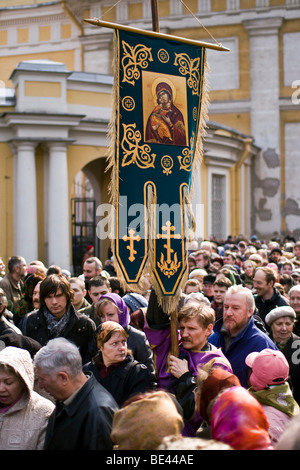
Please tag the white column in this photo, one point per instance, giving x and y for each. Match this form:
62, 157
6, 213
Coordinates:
25, 203
58, 206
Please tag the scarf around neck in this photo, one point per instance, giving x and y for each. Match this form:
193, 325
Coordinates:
278, 396
56, 325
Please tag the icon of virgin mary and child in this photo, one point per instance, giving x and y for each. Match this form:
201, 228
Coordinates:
165, 124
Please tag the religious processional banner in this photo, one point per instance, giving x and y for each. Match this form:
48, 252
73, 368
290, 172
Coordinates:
156, 141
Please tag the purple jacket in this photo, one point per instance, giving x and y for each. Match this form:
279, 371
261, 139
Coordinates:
160, 342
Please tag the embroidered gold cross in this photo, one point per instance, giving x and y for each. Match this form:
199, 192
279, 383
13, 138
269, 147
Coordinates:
168, 236
131, 240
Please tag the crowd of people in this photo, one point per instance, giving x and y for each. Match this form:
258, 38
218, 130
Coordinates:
87, 365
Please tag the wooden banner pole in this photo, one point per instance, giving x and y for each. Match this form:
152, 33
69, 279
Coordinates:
155, 20
106, 24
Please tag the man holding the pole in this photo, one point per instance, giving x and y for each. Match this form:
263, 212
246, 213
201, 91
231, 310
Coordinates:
178, 374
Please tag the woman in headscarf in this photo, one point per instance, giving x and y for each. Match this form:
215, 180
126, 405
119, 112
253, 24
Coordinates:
144, 421
238, 419
24, 413
210, 383
269, 385
281, 321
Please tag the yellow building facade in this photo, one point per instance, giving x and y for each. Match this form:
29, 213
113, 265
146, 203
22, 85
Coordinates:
56, 101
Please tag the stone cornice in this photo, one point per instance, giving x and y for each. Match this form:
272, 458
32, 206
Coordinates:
16, 118
31, 16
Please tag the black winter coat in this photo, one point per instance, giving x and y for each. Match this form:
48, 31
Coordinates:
265, 306
80, 330
291, 351
127, 379
84, 424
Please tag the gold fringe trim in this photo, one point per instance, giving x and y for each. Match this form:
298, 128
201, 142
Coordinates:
198, 157
112, 157
111, 135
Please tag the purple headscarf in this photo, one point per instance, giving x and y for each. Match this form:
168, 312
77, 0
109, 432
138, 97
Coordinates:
124, 317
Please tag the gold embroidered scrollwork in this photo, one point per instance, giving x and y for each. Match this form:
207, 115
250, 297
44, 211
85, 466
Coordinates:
191, 68
132, 151
133, 59
185, 160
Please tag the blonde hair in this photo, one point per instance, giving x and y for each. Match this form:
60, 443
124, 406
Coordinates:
204, 313
101, 303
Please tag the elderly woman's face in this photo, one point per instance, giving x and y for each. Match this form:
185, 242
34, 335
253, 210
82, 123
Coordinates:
115, 349
282, 329
11, 387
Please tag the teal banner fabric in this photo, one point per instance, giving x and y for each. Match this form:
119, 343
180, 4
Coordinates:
157, 117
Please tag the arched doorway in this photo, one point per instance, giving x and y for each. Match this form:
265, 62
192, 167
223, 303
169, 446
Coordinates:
89, 191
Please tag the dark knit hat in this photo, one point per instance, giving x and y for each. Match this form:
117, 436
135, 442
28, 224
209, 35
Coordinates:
276, 250
209, 278
135, 301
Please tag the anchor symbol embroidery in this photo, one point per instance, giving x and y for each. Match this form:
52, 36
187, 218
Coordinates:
169, 266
